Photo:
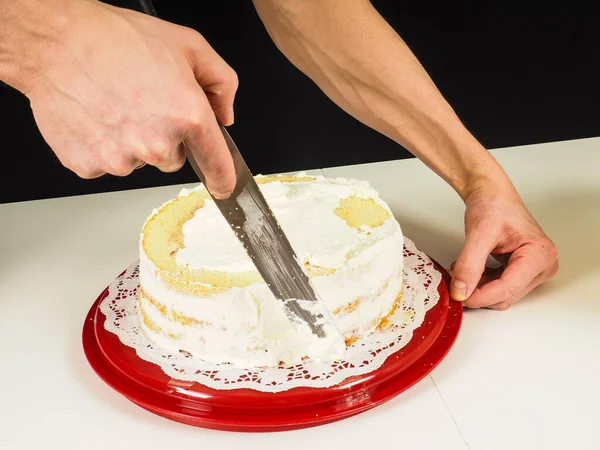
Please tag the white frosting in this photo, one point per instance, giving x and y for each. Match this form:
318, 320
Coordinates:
305, 211
248, 325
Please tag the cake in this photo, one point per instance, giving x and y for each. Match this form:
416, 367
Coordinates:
201, 295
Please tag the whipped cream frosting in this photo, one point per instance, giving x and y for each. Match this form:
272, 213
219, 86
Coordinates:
306, 213
249, 327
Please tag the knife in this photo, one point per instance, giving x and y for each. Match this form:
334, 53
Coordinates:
251, 218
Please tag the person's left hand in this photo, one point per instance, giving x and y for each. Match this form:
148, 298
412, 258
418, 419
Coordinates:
497, 223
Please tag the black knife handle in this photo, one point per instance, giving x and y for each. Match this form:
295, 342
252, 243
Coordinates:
148, 8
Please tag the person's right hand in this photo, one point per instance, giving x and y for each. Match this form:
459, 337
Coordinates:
120, 88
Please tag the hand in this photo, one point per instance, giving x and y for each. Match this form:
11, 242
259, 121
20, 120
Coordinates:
122, 88
498, 223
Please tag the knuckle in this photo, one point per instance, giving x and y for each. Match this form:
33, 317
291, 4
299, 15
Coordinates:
69, 162
83, 173
82, 169
155, 159
173, 166
119, 167
155, 154
122, 171
473, 302
196, 119
232, 80
510, 293
502, 306
227, 86
164, 155
191, 35
551, 253
160, 147
86, 172
470, 304
193, 113
554, 269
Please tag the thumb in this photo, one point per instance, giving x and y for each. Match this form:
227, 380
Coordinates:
471, 262
218, 80
207, 145
222, 104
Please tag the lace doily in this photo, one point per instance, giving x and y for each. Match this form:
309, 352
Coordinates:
420, 294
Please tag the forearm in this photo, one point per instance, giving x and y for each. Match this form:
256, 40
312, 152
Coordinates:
31, 35
362, 64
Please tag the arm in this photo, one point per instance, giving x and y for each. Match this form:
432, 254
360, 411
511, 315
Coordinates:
111, 88
360, 62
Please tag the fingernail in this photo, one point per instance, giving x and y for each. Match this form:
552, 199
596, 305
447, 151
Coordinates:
221, 195
458, 290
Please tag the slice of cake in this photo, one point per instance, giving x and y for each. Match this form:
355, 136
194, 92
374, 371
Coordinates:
200, 293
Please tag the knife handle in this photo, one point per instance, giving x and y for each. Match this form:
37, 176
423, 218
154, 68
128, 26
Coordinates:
148, 8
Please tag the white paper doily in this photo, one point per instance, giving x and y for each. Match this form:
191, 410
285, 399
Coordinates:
420, 294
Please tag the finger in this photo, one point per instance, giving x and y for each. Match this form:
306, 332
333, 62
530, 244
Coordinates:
524, 272
218, 80
471, 262
88, 173
117, 157
175, 159
84, 168
503, 306
165, 156
489, 274
545, 275
119, 163
221, 101
206, 143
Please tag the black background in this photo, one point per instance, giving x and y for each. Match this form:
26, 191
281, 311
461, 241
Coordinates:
515, 75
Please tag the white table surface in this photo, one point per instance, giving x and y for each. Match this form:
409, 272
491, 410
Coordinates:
527, 378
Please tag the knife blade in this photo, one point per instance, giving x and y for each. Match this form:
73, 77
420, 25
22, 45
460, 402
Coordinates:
253, 222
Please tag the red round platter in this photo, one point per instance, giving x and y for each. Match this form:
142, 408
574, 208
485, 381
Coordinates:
249, 410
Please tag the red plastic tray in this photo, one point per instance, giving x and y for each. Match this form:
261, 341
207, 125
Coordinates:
194, 404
